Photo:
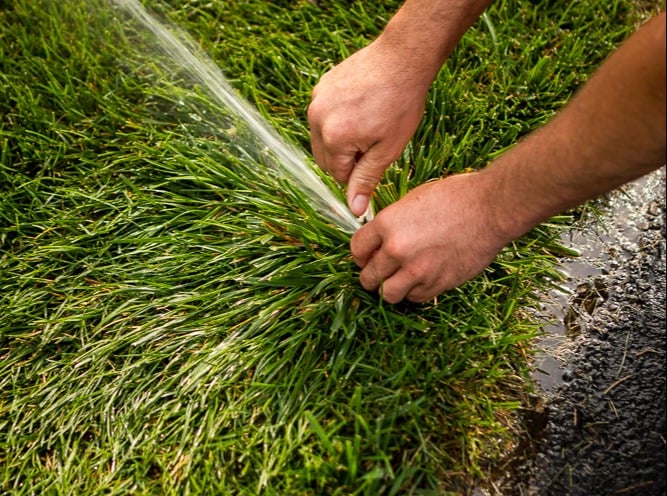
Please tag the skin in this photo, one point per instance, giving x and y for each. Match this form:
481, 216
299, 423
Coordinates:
445, 232
364, 111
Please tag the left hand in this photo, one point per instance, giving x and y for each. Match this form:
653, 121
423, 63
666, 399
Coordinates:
437, 237
363, 113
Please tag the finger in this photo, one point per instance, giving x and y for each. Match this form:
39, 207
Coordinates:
330, 144
420, 293
398, 286
366, 241
340, 163
317, 147
316, 140
364, 177
378, 270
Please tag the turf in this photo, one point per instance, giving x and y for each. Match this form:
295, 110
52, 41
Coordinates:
175, 319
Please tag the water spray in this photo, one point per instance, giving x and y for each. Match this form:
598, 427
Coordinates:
282, 155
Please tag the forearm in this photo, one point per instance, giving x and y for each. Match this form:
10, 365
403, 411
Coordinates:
612, 132
425, 32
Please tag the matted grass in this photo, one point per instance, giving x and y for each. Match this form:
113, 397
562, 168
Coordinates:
174, 319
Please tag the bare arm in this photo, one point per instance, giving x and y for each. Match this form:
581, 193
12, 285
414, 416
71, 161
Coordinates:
612, 132
445, 232
365, 110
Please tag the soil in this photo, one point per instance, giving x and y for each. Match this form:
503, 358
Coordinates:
597, 424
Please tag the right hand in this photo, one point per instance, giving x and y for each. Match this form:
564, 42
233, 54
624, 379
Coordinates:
435, 238
362, 114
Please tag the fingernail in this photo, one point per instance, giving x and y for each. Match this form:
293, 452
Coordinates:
359, 204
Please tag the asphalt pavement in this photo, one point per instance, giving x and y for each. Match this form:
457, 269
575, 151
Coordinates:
597, 423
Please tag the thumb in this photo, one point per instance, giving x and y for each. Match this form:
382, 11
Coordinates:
364, 177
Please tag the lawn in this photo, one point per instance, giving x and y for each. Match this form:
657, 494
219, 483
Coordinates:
177, 316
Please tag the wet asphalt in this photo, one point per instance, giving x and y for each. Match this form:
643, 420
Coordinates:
597, 421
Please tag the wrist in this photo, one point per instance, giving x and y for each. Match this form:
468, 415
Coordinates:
412, 55
511, 210
422, 34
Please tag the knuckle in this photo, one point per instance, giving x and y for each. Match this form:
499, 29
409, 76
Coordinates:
394, 249
340, 172
365, 183
313, 111
356, 248
333, 134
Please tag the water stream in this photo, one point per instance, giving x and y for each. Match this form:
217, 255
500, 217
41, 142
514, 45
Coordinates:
277, 153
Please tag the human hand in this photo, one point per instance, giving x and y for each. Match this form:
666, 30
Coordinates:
362, 114
437, 237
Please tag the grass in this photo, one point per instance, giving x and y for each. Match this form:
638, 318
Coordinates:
176, 320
